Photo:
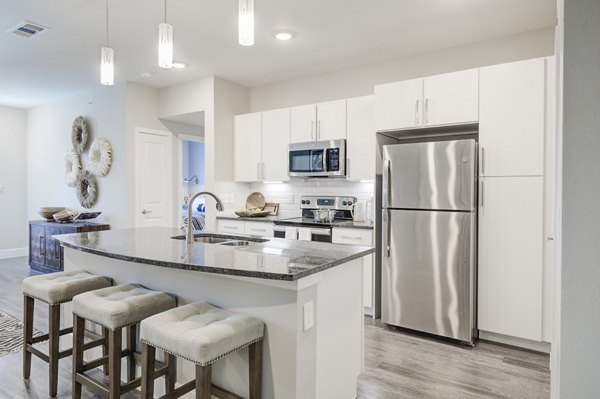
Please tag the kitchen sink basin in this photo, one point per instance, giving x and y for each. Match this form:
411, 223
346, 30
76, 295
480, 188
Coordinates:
236, 243
232, 241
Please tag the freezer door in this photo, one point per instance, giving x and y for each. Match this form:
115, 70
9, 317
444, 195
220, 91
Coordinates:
436, 175
428, 273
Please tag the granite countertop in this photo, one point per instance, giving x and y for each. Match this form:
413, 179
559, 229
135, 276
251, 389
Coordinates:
348, 224
275, 259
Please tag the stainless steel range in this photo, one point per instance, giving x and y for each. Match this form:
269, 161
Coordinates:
320, 227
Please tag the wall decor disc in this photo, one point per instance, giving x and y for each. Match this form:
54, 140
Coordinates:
100, 157
72, 168
79, 134
87, 189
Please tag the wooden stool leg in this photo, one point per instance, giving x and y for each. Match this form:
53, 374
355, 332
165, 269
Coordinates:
255, 364
54, 336
203, 381
131, 344
114, 363
78, 336
105, 349
171, 376
148, 364
27, 333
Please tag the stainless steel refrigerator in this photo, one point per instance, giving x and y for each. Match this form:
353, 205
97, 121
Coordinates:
429, 237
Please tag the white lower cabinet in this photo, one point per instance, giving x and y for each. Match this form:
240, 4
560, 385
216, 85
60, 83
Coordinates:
259, 229
510, 273
360, 237
231, 226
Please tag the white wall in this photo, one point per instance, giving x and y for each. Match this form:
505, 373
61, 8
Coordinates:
579, 345
49, 137
360, 81
13, 178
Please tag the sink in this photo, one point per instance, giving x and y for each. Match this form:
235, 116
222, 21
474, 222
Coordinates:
233, 241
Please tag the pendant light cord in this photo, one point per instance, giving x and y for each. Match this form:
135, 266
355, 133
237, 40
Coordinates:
165, 11
107, 23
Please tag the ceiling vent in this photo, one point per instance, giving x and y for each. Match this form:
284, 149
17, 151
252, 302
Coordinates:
28, 29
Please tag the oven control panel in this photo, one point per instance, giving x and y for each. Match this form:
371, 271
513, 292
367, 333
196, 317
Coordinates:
322, 202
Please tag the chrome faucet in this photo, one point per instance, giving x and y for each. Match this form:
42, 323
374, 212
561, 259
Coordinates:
190, 226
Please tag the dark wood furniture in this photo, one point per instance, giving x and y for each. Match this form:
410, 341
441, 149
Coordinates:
45, 254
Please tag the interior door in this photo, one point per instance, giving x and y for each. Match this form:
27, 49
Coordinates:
399, 105
275, 142
154, 178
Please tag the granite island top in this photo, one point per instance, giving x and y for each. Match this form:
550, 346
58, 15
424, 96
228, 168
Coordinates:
274, 259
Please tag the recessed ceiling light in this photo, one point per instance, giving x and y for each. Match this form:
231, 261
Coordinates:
284, 35
179, 65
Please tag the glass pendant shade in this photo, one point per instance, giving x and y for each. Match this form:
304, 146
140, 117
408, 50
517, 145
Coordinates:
246, 22
107, 66
165, 45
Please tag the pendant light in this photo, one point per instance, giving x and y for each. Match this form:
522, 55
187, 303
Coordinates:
107, 60
165, 43
246, 22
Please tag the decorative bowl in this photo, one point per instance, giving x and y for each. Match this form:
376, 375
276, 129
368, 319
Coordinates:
252, 213
48, 212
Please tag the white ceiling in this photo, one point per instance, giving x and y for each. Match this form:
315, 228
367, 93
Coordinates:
331, 35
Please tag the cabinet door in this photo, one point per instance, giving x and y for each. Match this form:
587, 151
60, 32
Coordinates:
260, 229
53, 253
331, 120
360, 147
398, 105
510, 256
230, 226
511, 119
37, 244
303, 121
451, 98
247, 147
275, 142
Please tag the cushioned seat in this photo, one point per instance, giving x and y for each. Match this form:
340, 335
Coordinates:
121, 305
201, 333
55, 288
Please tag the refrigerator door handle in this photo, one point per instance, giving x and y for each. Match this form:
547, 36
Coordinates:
386, 183
387, 226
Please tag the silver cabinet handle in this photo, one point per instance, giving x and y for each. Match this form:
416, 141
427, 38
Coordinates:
319, 130
482, 192
550, 238
417, 113
258, 170
483, 161
426, 118
230, 227
145, 211
263, 171
42, 246
350, 237
312, 130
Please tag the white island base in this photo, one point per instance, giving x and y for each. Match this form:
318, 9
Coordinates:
299, 361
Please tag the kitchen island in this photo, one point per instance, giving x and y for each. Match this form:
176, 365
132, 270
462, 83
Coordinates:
308, 294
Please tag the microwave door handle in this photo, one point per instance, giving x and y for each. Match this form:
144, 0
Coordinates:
325, 158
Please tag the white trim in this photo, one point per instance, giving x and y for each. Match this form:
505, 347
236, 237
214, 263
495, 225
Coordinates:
13, 253
543, 347
180, 139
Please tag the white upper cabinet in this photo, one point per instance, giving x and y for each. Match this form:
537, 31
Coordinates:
398, 105
275, 141
451, 98
303, 123
435, 100
331, 120
247, 147
361, 138
511, 119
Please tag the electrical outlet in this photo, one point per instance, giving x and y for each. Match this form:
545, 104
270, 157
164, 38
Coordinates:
308, 315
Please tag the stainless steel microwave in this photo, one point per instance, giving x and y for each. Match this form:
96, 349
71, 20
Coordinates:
318, 159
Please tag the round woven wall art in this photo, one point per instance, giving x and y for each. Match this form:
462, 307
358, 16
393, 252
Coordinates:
79, 134
72, 168
100, 157
87, 189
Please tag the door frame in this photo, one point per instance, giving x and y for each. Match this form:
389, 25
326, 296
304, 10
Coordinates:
180, 139
137, 141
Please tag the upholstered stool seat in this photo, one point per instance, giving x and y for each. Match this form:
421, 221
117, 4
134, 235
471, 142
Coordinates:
54, 289
117, 308
201, 333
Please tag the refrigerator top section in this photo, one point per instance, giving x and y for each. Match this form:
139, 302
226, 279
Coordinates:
434, 176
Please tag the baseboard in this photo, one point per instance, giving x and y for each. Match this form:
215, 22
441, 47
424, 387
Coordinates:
13, 253
543, 347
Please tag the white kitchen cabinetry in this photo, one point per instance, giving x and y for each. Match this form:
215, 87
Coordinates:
322, 121
261, 229
432, 101
511, 119
275, 142
360, 147
360, 237
511, 256
247, 147
231, 226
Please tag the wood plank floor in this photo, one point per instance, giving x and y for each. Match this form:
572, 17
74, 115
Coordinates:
397, 364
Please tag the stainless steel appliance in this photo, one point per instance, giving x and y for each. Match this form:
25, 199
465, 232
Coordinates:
318, 159
320, 231
429, 230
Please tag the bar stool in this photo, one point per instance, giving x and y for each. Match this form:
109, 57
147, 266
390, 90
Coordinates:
115, 308
54, 289
202, 334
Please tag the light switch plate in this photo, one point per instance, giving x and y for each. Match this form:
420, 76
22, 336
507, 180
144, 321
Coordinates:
308, 315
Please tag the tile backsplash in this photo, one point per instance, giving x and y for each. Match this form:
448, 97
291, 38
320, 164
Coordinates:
288, 194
